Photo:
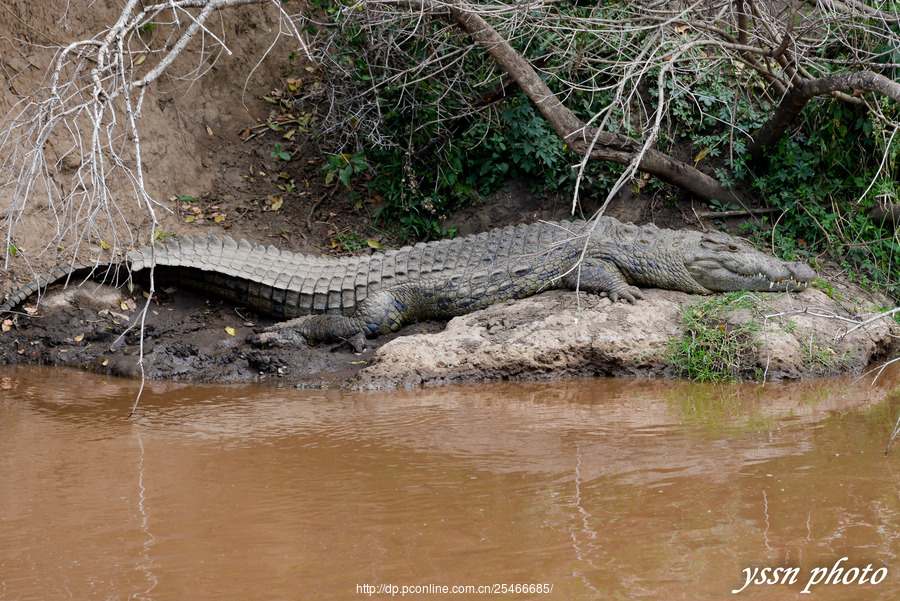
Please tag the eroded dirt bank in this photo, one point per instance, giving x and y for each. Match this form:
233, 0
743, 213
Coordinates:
188, 337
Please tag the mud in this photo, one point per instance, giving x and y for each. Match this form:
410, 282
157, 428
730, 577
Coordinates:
186, 337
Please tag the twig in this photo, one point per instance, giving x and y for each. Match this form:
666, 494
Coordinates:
893, 436
737, 213
316, 204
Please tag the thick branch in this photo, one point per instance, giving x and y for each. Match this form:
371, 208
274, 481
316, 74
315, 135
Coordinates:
741, 21
886, 213
788, 32
577, 135
851, 6
803, 91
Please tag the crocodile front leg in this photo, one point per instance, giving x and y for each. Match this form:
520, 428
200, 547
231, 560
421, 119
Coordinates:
598, 276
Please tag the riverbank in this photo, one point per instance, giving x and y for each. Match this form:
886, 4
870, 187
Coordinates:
554, 335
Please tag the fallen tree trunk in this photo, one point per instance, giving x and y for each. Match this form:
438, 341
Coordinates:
801, 92
580, 137
886, 213
772, 51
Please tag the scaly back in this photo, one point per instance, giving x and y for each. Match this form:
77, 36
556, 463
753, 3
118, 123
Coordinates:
287, 284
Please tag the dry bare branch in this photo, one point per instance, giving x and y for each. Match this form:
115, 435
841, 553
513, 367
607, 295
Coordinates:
73, 147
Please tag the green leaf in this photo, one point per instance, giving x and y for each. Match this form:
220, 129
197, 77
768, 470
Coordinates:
345, 176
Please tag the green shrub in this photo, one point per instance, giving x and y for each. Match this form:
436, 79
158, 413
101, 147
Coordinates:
712, 349
824, 178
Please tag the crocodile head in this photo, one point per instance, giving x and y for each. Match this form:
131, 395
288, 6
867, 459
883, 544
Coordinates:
720, 263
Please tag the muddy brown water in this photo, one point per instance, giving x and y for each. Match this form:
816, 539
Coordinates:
585, 489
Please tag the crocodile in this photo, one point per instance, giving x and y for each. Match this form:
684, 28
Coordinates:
328, 299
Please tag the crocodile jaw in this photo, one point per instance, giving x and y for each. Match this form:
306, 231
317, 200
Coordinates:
717, 277
722, 263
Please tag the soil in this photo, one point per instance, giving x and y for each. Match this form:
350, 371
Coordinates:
210, 151
186, 337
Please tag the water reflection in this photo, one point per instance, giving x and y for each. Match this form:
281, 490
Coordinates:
617, 489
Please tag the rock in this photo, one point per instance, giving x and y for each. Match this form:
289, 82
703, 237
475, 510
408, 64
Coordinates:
547, 337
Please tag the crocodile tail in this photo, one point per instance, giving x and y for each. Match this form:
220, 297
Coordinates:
169, 252
64, 273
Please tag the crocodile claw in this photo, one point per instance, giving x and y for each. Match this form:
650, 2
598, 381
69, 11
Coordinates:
275, 336
630, 294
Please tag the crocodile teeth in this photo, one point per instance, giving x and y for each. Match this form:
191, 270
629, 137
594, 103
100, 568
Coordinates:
771, 284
